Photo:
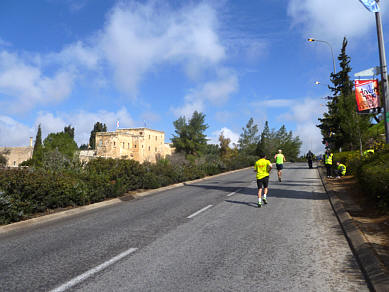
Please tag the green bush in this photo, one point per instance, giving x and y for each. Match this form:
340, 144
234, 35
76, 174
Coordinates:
352, 160
61, 182
373, 175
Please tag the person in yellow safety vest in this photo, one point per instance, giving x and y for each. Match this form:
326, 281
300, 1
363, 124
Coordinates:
368, 151
340, 170
262, 168
328, 162
280, 159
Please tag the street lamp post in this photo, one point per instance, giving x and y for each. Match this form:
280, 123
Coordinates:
332, 53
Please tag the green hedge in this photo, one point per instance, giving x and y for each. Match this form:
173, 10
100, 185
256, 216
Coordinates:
25, 192
372, 172
351, 159
373, 175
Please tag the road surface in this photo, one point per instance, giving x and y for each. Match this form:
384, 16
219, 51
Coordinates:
207, 236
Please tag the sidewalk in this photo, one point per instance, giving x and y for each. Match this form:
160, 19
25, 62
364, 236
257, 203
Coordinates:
365, 228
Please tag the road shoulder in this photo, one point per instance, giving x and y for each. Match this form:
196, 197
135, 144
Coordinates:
372, 258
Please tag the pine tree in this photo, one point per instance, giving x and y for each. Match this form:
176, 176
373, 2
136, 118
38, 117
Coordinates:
190, 137
272, 140
341, 127
249, 138
69, 130
263, 143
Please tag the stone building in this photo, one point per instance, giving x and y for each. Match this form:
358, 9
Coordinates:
16, 155
140, 144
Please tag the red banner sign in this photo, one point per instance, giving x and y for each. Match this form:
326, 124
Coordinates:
366, 93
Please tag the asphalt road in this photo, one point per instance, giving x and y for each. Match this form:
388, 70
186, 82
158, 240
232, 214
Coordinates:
208, 236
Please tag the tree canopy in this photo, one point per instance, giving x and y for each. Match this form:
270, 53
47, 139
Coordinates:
341, 126
61, 142
190, 137
271, 140
249, 137
98, 127
37, 154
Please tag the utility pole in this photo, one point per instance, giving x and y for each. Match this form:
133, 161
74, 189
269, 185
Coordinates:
384, 73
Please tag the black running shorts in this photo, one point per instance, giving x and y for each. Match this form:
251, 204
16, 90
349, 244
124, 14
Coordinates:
263, 182
279, 166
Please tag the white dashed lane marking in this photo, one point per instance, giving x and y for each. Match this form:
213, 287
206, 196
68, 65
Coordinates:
93, 271
199, 211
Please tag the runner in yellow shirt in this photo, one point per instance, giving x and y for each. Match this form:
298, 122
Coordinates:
280, 159
263, 168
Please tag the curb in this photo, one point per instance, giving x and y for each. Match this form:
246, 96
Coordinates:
78, 210
371, 266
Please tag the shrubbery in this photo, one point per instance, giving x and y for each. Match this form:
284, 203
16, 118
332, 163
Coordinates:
372, 172
373, 175
24, 192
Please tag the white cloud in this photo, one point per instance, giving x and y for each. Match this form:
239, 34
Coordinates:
77, 55
83, 122
24, 84
136, 39
228, 133
140, 36
217, 92
190, 106
331, 20
306, 113
13, 133
311, 137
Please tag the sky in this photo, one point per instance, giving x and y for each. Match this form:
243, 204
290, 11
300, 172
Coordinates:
146, 63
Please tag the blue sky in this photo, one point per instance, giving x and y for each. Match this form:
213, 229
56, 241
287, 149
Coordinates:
148, 62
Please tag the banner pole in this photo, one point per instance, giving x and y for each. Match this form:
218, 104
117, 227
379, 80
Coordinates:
384, 73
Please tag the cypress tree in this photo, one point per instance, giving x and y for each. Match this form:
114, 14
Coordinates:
37, 154
98, 127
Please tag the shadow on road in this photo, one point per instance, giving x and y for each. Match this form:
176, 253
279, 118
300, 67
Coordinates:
273, 192
250, 204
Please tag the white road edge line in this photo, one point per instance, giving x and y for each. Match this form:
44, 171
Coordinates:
233, 193
199, 211
93, 271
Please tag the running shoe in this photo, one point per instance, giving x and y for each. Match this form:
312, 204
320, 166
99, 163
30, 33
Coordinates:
259, 205
265, 201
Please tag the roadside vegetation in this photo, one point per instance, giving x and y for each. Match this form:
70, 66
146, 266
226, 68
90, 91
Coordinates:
54, 177
349, 134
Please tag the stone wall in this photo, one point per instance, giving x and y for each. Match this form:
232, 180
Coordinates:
140, 144
16, 155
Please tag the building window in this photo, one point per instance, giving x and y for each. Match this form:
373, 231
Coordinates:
128, 145
114, 143
140, 133
142, 146
155, 149
156, 138
149, 148
135, 146
14, 163
100, 143
149, 137
123, 145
